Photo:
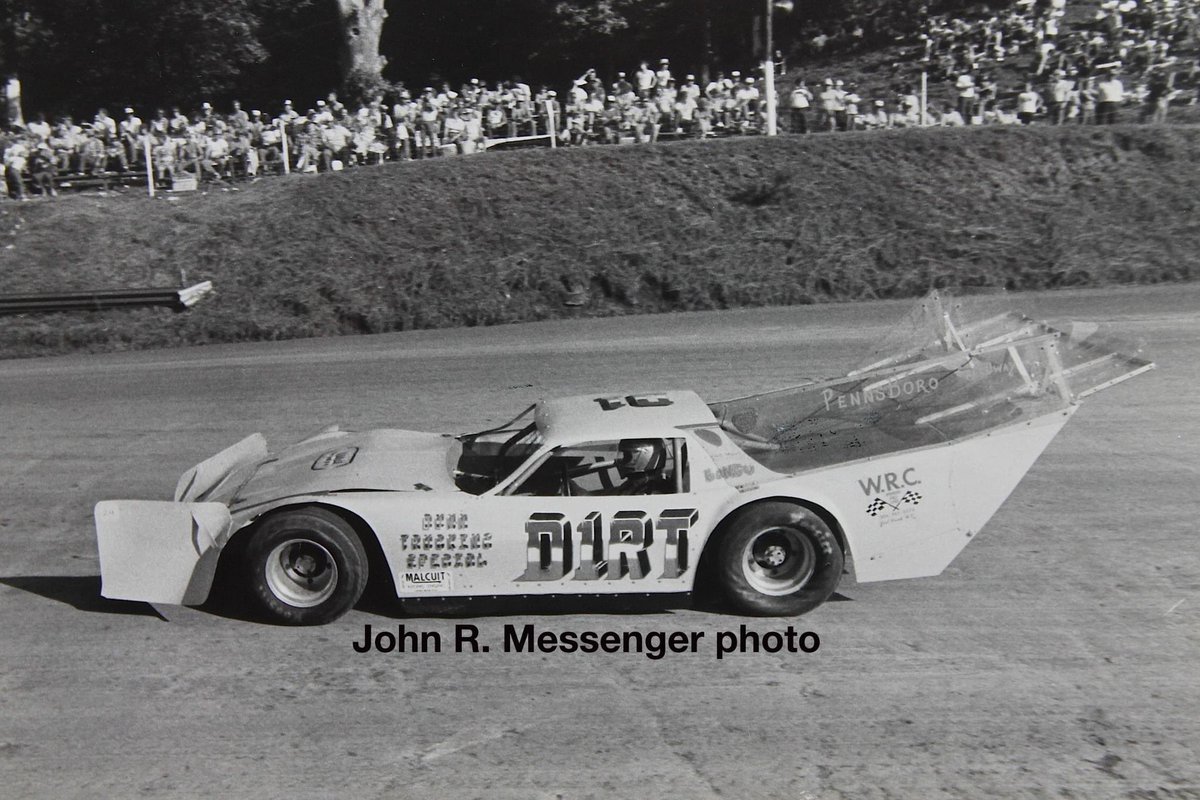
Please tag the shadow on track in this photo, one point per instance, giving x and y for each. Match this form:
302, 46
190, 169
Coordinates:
79, 591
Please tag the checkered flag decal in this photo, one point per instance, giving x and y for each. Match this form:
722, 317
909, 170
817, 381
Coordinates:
877, 505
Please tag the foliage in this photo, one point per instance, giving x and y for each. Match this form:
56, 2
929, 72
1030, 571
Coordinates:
78, 54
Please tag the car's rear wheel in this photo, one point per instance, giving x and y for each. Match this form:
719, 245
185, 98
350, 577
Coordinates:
778, 559
306, 566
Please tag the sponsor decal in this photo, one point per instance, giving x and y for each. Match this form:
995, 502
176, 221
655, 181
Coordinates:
892, 497
878, 505
558, 550
335, 458
459, 550
422, 581
444, 522
891, 391
633, 401
728, 472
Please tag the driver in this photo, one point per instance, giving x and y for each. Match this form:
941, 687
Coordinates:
640, 466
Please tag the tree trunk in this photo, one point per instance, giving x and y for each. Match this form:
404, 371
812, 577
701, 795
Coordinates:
362, 25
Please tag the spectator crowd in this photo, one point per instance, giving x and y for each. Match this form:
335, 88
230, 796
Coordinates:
1139, 51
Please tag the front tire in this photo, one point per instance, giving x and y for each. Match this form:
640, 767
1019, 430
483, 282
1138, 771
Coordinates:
306, 566
778, 559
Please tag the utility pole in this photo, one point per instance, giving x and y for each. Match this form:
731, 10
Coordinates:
769, 64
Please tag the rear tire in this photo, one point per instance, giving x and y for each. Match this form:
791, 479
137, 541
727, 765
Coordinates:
306, 566
778, 559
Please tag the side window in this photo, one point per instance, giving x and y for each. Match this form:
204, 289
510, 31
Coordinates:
622, 467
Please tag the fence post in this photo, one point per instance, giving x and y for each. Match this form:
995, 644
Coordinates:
283, 137
149, 165
924, 97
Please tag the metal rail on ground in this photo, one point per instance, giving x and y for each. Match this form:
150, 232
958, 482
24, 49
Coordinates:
177, 299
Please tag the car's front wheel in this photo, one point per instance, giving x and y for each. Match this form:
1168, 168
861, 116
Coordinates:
778, 559
306, 566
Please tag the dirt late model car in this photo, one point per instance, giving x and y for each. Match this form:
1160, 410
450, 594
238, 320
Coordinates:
895, 465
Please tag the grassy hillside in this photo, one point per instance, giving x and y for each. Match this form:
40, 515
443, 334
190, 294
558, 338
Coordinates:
511, 236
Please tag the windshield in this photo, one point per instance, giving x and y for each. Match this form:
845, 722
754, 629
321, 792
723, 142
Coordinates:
489, 457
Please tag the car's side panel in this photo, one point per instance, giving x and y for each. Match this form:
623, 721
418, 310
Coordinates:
463, 545
910, 514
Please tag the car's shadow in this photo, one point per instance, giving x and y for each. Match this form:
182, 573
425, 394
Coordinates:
79, 591
554, 605
229, 601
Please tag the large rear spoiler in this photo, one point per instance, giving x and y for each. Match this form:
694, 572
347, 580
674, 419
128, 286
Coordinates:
944, 372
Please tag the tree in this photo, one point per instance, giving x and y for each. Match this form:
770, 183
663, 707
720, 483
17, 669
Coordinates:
362, 65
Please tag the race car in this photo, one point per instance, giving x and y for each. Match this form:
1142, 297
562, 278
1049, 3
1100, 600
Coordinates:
891, 468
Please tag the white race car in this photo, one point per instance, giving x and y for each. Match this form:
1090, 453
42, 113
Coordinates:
896, 465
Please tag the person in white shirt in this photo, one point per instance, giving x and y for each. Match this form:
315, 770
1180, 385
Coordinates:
644, 78
800, 101
1110, 93
1028, 104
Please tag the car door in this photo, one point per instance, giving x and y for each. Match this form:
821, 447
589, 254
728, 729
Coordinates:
572, 521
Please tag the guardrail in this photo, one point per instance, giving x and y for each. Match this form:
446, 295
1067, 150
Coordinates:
178, 299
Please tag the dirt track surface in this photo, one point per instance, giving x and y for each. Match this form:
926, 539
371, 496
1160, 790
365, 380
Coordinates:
1057, 657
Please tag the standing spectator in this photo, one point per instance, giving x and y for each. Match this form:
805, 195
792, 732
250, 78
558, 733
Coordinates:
965, 84
852, 100
800, 102
1060, 94
1110, 95
663, 76
644, 78
1087, 102
1158, 96
1029, 103
839, 104
826, 119
987, 95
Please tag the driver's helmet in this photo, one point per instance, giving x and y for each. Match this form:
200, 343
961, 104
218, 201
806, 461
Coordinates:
641, 456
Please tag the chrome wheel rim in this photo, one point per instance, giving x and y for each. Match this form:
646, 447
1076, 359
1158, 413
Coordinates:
301, 573
779, 561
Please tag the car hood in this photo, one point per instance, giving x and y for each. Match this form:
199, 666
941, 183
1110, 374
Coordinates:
376, 460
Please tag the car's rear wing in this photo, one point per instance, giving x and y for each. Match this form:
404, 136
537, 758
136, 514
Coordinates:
948, 375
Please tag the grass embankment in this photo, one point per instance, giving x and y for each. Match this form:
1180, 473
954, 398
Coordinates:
509, 236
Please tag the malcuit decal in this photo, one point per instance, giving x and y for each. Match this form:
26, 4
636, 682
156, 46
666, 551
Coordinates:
556, 549
633, 401
335, 458
425, 581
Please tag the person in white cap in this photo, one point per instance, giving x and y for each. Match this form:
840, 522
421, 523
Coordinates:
131, 129
826, 119
800, 101
663, 76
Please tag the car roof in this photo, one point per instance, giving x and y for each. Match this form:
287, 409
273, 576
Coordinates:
598, 417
